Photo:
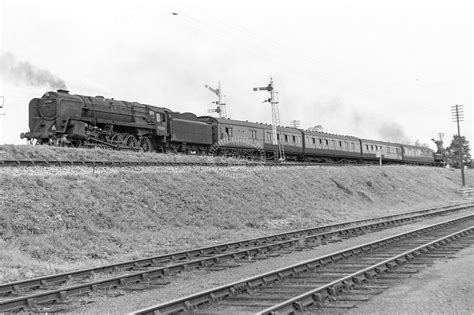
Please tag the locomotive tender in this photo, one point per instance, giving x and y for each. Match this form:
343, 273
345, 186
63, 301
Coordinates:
60, 118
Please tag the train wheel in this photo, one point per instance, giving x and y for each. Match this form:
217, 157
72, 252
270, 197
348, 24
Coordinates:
145, 144
117, 138
130, 141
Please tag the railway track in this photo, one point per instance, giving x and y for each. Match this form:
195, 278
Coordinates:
156, 271
108, 163
338, 280
13, 163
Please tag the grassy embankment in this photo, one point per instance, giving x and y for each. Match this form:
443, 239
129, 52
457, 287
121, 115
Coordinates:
41, 152
54, 223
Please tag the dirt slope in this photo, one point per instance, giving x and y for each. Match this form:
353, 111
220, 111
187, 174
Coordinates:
71, 219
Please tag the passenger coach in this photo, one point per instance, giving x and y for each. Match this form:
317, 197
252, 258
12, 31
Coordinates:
391, 152
417, 155
326, 147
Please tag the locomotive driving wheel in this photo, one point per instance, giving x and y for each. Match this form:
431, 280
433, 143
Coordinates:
146, 145
130, 141
117, 138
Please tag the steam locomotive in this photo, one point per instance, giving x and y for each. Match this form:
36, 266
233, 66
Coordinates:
60, 118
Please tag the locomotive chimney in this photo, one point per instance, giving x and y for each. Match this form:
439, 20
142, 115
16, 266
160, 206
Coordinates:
63, 91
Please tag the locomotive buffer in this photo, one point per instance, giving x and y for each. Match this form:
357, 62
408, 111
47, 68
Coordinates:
279, 151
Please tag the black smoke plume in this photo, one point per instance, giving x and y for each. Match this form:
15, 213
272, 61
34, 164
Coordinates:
23, 72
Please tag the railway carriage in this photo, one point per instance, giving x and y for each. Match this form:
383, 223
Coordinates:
235, 137
291, 140
391, 152
326, 147
417, 155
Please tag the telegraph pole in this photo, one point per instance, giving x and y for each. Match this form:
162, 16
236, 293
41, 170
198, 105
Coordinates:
458, 115
279, 152
295, 124
440, 135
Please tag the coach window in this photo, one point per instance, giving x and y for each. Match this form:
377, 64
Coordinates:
293, 139
286, 138
268, 136
327, 143
228, 131
254, 134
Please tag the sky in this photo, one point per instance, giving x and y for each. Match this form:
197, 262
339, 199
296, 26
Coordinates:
383, 70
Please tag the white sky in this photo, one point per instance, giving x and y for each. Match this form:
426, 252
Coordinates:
387, 70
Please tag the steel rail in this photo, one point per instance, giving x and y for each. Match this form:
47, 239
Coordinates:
316, 296
115, 163
150, 276
108, 163
251, 246
191, 302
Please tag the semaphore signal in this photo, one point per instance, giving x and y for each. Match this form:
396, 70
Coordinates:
279, 152
221, 107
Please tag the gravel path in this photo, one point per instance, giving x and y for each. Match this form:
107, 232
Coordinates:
195, 281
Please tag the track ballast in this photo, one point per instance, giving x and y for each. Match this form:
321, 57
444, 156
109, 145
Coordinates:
156, 271
318, 283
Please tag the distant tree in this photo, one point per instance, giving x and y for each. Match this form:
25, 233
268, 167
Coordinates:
439, 145
453, 152
316, 128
